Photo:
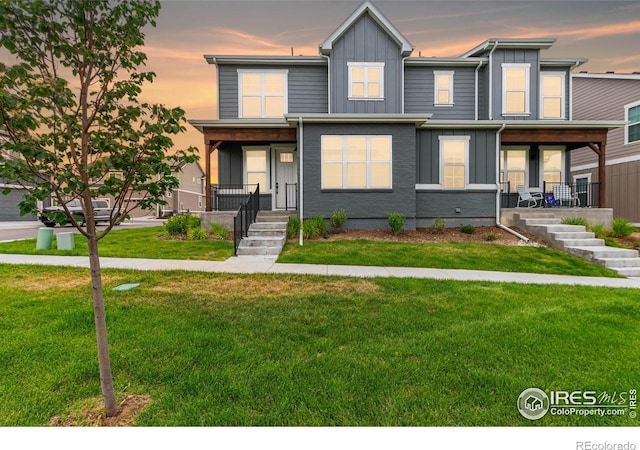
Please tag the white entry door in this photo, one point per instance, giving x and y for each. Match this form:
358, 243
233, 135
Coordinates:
286, 178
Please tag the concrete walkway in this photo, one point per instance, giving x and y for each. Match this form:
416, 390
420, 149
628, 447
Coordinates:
261, 264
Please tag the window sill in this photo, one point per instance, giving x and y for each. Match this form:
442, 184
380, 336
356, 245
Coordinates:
525, 114
443, 105
366, 99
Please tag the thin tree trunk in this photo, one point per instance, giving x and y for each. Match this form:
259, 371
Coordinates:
106, 380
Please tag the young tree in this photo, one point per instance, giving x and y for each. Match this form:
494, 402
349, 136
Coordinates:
72, 118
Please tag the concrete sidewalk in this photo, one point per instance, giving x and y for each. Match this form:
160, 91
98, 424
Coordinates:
259, 264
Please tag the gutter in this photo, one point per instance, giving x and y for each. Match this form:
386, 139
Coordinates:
498, 224
571, 89
301, 190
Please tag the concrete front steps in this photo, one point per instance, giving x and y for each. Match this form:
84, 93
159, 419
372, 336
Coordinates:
576, 240
267, 235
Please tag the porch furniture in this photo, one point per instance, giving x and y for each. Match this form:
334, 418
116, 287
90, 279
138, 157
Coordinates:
563, 193
550, 201
533, 200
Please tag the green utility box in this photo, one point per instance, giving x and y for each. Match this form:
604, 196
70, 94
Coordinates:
65, 241
45, 238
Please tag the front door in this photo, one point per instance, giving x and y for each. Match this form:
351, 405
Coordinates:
286, 178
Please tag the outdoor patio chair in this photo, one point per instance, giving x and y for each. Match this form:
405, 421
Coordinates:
533, 200
563, 193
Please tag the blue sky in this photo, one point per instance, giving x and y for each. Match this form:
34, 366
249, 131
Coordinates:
605, 32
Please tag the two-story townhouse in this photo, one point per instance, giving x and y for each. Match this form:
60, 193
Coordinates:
9, 203
611, 96
367, 127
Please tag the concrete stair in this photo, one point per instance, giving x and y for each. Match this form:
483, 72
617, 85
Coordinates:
576, 240
267, 235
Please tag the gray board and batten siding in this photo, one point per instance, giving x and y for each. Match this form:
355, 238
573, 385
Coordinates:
365, 208
307, 88
419, 92
366, 41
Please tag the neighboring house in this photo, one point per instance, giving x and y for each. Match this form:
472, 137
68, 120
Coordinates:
9, 209
367, 127
611, 96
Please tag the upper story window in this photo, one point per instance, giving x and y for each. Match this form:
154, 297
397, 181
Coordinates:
632, 128
366, 80
356, 162
552, 95
454, 161
443, 88
515, 89
262, 94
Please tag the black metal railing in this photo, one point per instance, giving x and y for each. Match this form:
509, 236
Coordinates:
583, 195
245, 215
229, 197
290, 196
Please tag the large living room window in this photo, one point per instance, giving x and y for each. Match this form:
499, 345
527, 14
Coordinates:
632, 128
356, 162
262, 94
552, 95
454, 157
515, 89
366, 80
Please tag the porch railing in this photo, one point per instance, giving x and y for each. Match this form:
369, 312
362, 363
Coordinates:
587, 194
229, 197
245, 216
290, 196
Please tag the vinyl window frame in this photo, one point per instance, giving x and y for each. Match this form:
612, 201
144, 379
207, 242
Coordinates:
436, 87
263, 95
562, 97
366, 66
527, 89
442, 143
628, 125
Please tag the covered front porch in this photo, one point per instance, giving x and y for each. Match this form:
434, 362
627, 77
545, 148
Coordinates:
240, 158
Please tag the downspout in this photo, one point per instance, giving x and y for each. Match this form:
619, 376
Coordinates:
571, 89
491, 81
476, 105
498, 224
328, 82
402, 85
301, 162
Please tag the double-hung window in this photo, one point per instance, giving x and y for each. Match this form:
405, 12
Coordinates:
515, 89
552, 164
356, 162
454, 157
632, 127
366, 80
443, 88
552, 95
513, 167
256, 163
262, 94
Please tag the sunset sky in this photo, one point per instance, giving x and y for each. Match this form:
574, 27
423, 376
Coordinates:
605, 32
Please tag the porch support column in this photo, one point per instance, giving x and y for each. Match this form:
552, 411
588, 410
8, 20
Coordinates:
600, 150
207, 182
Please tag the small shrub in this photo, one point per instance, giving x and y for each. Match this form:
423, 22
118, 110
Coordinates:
315, 227
612, 242
197, 234
438, 225
293, 227
575, 221
218, 232
490, 237
636, 244
599, 230
622, 228
468, 229
338, 219
396, 222
179, 224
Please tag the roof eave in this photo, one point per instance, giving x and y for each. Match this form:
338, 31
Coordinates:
539, 43
264, 60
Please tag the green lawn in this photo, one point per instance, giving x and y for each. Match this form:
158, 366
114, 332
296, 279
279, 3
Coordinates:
303, 350
545, 260
133, 243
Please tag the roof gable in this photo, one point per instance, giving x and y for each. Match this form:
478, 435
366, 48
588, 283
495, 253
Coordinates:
367, 8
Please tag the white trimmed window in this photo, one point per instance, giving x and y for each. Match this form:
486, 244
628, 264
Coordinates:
262, 94
515, 89
366, 80
552, 87
552, 164
632, 127
454, 161
513, 166
256, 164
443, 88
356, 162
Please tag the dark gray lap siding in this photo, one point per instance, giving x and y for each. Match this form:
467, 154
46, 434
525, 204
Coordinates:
361, 204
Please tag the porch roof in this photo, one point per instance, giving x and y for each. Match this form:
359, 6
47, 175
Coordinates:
417, 119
